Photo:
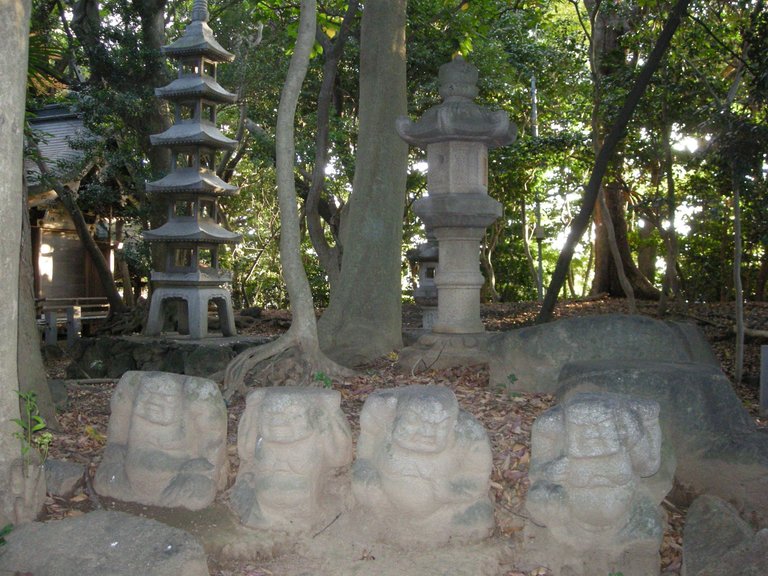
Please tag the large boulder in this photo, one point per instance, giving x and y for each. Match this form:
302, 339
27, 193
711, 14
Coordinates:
718, 447
102, 543
530, 359
718, 542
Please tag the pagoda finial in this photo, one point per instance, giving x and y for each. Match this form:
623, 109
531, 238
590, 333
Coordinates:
200, 11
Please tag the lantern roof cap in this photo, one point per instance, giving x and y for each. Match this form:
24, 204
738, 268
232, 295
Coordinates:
458, 117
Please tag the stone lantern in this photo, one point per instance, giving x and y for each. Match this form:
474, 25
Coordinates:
457, 135
426, 257
190, 276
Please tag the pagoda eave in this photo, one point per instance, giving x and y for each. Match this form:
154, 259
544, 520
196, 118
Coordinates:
181, 135
191, 181
172, 232
198, 40
196, 87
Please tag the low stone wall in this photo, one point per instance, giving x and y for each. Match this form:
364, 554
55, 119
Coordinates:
112, 356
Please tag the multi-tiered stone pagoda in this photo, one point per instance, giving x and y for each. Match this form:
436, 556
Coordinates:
190, 277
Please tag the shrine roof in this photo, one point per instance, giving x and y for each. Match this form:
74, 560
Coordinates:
56, 127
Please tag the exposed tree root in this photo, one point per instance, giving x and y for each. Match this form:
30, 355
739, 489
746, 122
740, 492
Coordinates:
289, 360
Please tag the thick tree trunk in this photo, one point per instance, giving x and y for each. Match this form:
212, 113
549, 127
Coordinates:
363, 320
610, 229
17, 503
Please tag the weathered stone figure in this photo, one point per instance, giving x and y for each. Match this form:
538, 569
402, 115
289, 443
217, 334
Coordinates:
423, 467
589, 457
292, 443
23, 491
166, 444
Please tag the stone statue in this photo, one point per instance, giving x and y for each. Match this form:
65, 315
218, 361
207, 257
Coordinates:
589, 459
423, 467
293, 442
167, 441
22, 493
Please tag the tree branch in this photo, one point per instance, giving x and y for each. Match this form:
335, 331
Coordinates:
581, 221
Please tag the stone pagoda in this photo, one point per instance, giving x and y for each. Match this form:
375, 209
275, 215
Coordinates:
457, 135
190, 278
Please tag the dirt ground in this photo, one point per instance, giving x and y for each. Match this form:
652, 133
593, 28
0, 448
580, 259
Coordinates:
507, 419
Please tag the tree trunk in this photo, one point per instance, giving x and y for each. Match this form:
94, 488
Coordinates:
624, 282
607, 60
490, 241
329, 256
122, 266
302, 335
592, 189
670, 285
32, 376
647, 253
14, 44
738, 369
363, 320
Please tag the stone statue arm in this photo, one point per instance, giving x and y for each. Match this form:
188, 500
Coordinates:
376, 422
208, 426
474, 463
248, 427
122, 406
547, 444
336, 437
644, 445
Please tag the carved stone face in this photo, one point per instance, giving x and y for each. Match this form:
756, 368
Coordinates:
284, 420
159, 401
423, 425
591, 431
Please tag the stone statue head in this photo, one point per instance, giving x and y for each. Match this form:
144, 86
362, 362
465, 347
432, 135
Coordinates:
425, 419
288, 414
159, 400
286, 418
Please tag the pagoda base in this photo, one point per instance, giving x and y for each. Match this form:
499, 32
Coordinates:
192, 306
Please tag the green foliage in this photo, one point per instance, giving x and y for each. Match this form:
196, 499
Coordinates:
509, 43
32, 429
323, 378
4, 531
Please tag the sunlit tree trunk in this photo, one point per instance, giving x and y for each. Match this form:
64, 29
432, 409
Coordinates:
609, 23
591, 191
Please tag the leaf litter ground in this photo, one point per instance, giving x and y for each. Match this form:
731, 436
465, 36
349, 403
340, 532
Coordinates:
508, 419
